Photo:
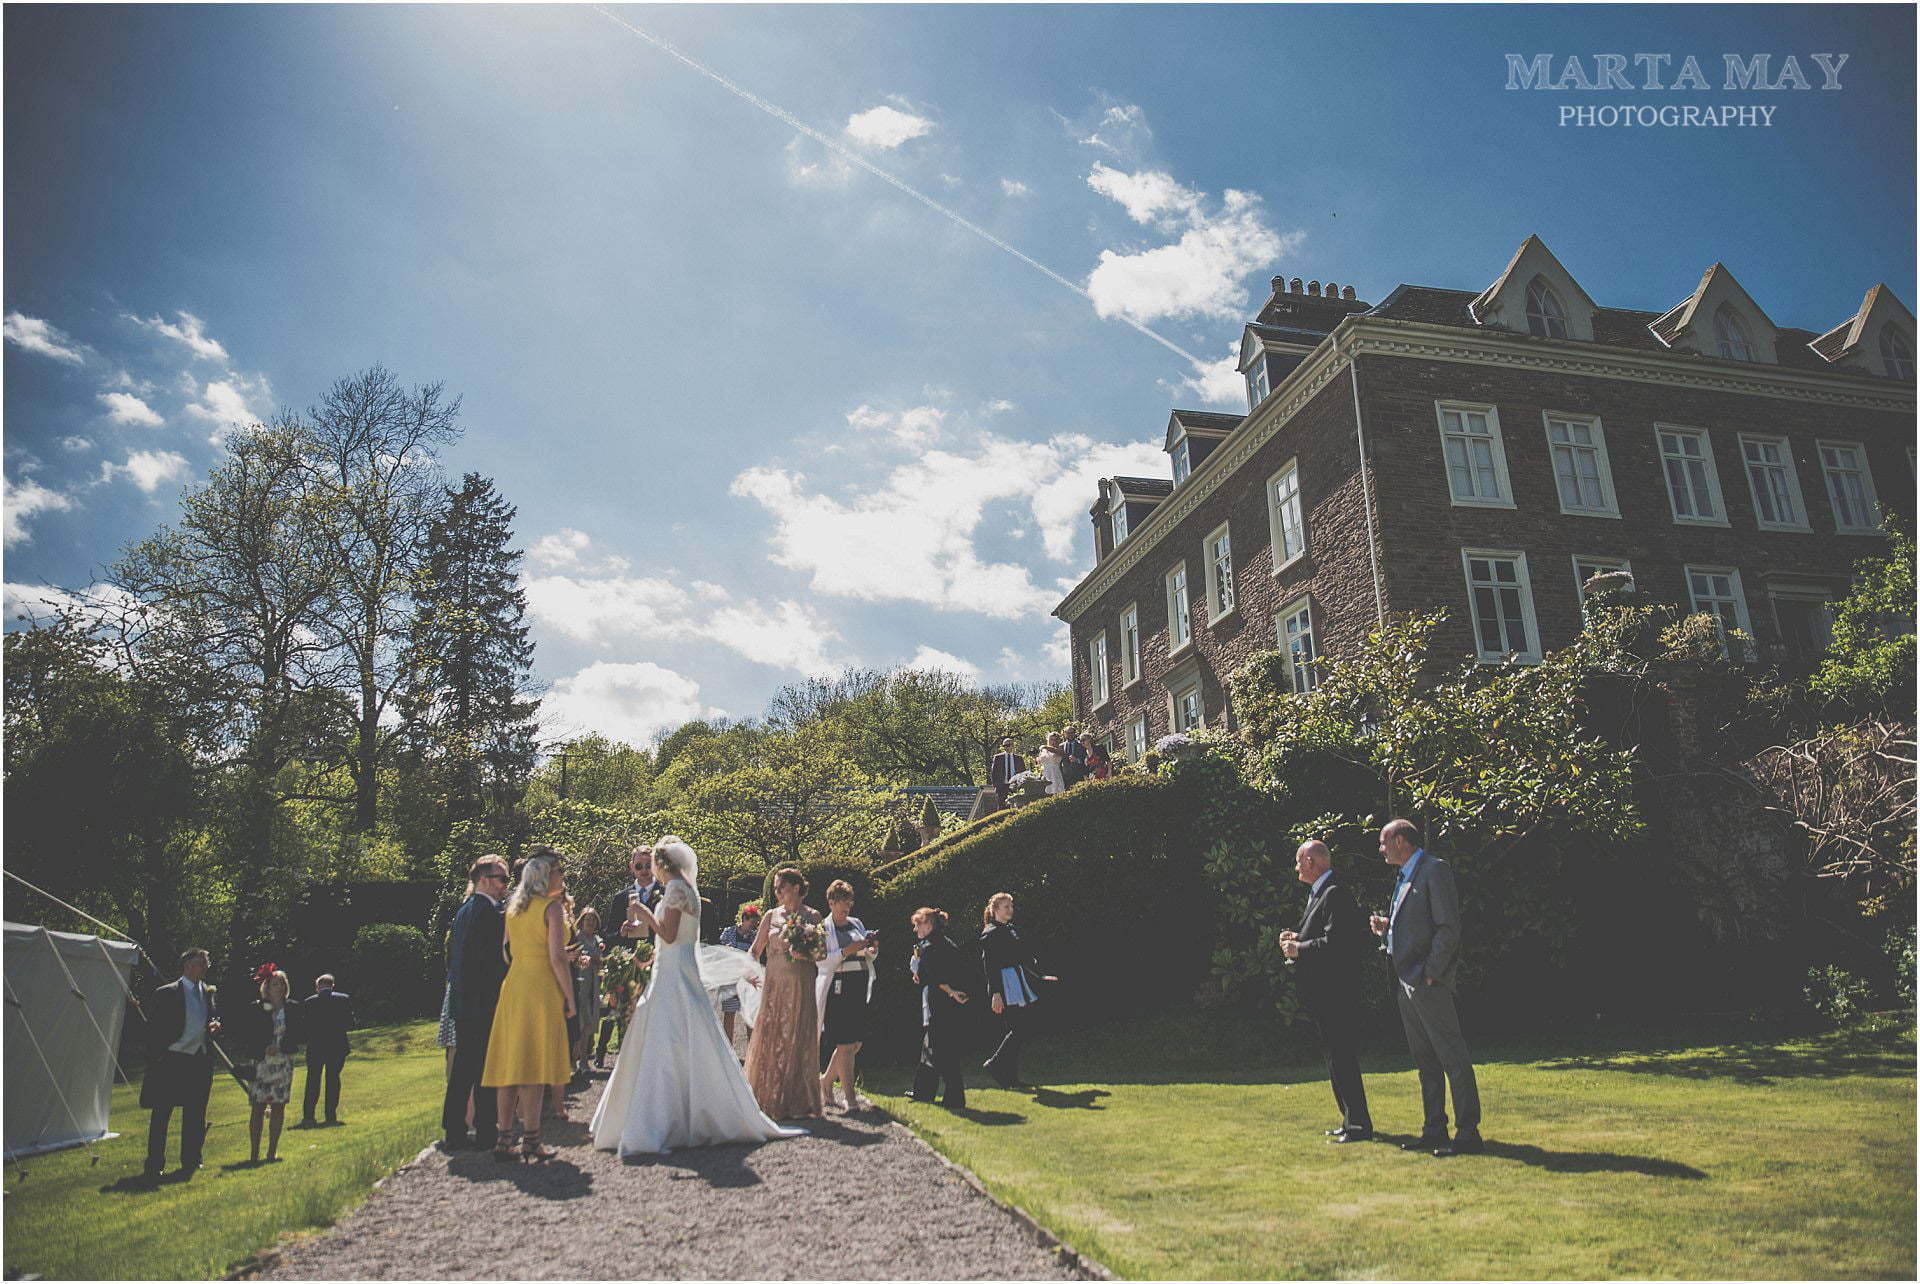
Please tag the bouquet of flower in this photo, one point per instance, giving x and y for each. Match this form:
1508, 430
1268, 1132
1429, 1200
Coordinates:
623, 976
804, 938
1028, 785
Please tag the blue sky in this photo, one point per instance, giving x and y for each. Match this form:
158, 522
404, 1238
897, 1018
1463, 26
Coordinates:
763, 413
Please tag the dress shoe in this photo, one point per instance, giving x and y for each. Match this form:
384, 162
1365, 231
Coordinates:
452, 1142
1426, 1143
1465, 1144
1351, 1134
1334, 1132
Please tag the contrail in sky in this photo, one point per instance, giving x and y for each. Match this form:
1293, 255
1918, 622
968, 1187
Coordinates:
854, 158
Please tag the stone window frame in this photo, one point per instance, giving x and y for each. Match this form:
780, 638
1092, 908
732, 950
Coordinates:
1529, 617
1179, 687
1276, 526
1799, 591
1100, 682
1117, 518
1600, 564
1545, 311
1712, 471
1502, 481
1222, 600
1868, 493
1182, 461
1130, 647
1259, 382
1137, 744
1743, 619
1609, 497
1183, 618
1299, 605
1793, 480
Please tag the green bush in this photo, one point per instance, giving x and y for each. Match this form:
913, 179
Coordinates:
1900, 951
1837, 994
1110, 891
393, 973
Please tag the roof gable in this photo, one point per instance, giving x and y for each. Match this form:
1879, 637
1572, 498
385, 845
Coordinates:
1688, 324
1199, 423
1504, 303
1855, 341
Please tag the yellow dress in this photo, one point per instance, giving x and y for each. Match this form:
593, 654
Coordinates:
529, 1043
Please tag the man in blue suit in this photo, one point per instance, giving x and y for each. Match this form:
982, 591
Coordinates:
1422, 932
475, 969
325, 1017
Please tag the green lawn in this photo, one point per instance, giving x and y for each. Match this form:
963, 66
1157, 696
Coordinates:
75, 1215
1190, 1147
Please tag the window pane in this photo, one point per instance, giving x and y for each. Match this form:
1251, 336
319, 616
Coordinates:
1488, 618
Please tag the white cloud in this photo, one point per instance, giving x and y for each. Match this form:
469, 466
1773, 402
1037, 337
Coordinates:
36, 599
558, 550
886, 127
597, 603
75, 443
945, 661
1199, 275
125, 408
1149, 196
24, 500
1218, 383
951, 180
38, 336
148, 469
915, 426
911, 536
1014, 187
630, 702
1000, 406
189, 330
1122, 130
830, 169
228, 403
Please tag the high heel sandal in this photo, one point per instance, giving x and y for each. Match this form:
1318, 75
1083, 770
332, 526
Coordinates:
503, 1148
531, 1149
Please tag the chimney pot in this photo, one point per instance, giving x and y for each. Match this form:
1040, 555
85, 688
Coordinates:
1295, 286
1346, 292
1313, 288
1279, 284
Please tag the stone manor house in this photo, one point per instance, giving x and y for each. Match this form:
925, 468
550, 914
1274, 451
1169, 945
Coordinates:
1489, 453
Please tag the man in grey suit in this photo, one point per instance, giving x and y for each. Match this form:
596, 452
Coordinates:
1422, 932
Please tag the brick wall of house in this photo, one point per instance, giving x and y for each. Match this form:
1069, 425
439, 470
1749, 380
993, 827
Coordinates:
1423, 531
1334, 571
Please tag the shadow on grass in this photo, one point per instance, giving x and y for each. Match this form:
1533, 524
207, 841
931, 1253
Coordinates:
1571, 1161
1084, 1099
1875, 1054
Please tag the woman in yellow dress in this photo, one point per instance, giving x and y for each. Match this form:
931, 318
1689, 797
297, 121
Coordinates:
528, 1049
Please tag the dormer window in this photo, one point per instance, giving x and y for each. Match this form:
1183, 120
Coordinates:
1545, 316
1180, 466
1731, 333
1895, 352
1257, 388
1118, 507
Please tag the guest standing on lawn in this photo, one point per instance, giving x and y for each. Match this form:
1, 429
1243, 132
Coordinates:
325, 1017
1329, 953
845, 987
475, 969
939, 970
182, 1018
783, 1058
267, 1033
1422, 931
1013, 985
527, 1050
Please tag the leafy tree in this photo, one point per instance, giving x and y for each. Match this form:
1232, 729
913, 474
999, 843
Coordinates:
594, 769
1870, 662
464, 702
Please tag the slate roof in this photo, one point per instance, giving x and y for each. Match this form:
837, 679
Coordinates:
1612, 327
948, 800
1144, 487
1208, 420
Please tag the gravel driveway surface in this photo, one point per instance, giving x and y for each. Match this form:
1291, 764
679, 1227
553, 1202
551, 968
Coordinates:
860, 1198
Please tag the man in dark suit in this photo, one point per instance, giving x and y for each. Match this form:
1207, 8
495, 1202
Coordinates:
616, 922
1329, 953
1422, 931
1006, 765
1073, 756
182, 1018
325, 1017
475, 969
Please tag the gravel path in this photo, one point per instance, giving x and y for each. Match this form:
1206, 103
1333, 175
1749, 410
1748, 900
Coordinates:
898, 1212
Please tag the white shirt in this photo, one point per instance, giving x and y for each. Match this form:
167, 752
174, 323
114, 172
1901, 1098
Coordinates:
1319, 883
194, 996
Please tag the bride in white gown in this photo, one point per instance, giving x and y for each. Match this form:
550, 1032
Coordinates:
676, 1082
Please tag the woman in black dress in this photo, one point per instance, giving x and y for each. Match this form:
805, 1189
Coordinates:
939, 970
1013, 980
846, 981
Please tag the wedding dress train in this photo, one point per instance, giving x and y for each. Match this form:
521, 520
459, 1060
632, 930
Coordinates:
676, 1082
